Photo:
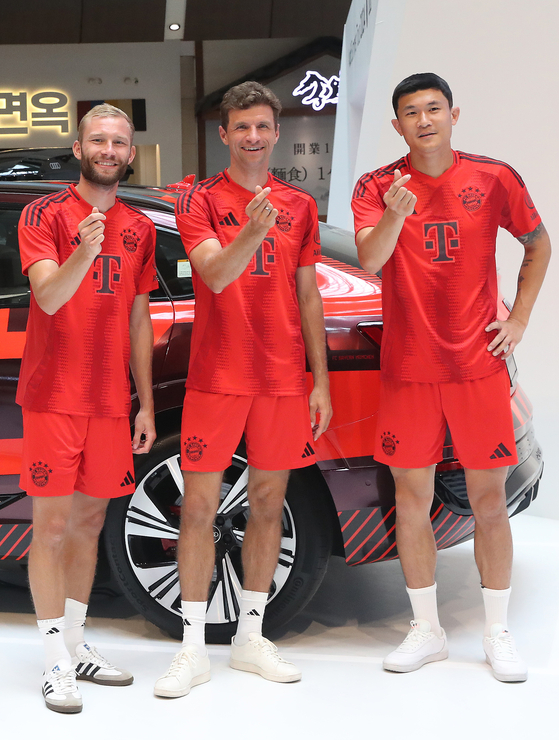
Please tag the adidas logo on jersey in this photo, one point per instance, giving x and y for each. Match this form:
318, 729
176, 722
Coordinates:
500, 451
308, 451
229, 220
128, 480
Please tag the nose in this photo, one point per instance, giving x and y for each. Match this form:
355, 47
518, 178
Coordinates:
252, 133
423, 119
108, 148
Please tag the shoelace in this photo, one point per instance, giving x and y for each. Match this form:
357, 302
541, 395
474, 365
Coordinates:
95, 657
180, 660
270, 650
64, 682
503, 646
414, 638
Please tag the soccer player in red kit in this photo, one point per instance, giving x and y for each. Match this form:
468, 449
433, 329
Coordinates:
253, 242
90, 262
430, 220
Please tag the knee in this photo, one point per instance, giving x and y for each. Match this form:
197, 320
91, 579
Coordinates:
197, 511
88, 524
266, 504
50, 531
489, 506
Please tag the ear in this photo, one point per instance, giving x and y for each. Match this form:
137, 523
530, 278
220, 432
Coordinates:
396, 123
132, 154
223, 136
277, 133
454, 115
76, 148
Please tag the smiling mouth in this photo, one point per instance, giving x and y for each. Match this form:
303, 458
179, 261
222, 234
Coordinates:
106, 164
252, 148
430, 133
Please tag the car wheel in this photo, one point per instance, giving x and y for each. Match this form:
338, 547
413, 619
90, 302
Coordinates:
141, 533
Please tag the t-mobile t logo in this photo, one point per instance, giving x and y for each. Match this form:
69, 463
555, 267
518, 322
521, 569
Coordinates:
106, 270
442, 237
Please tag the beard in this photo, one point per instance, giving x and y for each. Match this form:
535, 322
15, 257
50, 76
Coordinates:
107, 179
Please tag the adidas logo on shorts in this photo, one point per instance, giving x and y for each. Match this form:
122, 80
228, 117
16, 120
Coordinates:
128, 480
500, 451
308, 451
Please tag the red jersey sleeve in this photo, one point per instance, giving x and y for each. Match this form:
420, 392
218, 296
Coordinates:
310, 246
194, 218
519, 215
367, 203
148, 276
35, 242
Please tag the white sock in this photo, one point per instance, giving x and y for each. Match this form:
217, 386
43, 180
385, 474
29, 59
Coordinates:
56, 653
74, 622
194, 624
496, 602
253, 604
424, 606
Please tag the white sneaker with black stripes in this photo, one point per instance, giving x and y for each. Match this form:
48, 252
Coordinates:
60, 691
90, 665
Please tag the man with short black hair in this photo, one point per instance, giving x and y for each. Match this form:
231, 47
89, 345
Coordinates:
90, 261
253, 242
430, 220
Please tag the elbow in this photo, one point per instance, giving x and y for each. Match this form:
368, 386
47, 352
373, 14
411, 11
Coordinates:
46, 306
370, 266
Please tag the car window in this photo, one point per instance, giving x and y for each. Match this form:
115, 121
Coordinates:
172, 265
14, 287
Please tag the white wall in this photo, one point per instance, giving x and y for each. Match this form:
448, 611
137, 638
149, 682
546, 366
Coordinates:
501, 60
67, 67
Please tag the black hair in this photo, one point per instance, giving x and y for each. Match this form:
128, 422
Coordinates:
421, 81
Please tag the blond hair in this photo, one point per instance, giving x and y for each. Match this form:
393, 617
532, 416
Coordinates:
103, 111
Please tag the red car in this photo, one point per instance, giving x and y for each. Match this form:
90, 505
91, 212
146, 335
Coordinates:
343, 505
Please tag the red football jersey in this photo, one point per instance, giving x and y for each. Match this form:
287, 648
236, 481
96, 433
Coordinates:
247, 340
76, 361
440, 285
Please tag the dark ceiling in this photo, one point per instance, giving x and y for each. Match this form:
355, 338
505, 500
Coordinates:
106, 21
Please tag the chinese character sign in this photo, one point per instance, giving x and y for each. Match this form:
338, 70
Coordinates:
20, 111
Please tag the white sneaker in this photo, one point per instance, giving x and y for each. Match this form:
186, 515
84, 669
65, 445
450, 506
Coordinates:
187, 669
420, 646
60, 691
90, 665
259, 655
501, 654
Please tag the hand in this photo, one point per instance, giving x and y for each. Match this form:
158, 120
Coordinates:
399, 199
319, 403
144, 432
260, 211
91, 231
510, 334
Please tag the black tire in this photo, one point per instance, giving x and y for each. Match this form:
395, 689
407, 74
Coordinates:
141, 534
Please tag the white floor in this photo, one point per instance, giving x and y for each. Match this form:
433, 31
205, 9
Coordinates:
355, 618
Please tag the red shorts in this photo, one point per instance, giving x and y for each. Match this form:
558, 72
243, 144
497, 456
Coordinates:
413, 419
277, 431
64, 453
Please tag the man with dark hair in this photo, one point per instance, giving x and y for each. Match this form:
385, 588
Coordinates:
90, 261
258, 309
430, 220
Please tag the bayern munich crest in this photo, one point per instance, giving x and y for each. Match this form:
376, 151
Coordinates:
472, 198
40, 472
389, 443
130, 240
283, 221
194, 448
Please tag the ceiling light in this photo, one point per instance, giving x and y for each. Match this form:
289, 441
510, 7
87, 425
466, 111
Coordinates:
174, 26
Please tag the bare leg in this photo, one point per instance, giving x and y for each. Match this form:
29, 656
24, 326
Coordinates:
261, 545
414, 534
196, 553
81, 543
493, 540
46, 568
